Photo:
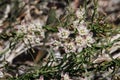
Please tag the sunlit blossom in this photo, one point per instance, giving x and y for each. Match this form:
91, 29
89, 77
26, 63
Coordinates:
82, 22
89, 39
76, 23
80, 13
82, 30
69, 47
55, 44
80, 41
38, 29
66, 77
63, 33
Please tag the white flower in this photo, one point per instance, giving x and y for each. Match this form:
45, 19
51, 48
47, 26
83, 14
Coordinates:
89, 39
66, 77
82, 21
31, 27
80, 41
63, 33
37, 28
55, 44
82, 30
80, 13
29, 39
69, 47
76, 23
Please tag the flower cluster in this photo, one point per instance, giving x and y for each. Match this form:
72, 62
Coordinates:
69, 39
72, 41
33, 32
